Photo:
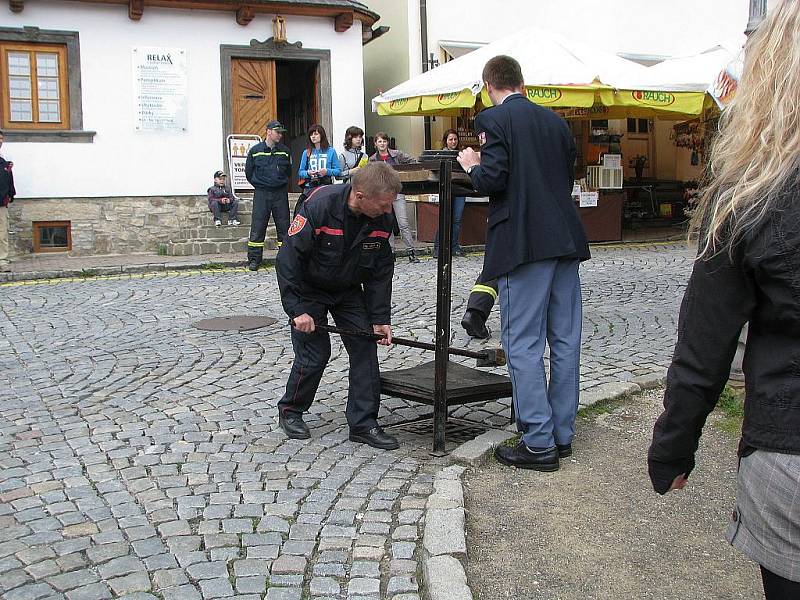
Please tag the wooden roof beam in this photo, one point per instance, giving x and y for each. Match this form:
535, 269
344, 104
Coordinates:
343, 22
244, 15
135, 9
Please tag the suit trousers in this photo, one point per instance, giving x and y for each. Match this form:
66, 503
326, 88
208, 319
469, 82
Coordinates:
312, 352
540, 302
267, 201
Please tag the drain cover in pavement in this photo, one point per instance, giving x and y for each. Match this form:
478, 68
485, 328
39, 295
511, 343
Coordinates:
236, 323
457, 430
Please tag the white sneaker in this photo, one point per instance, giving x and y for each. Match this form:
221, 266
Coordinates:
234, 223
217, 223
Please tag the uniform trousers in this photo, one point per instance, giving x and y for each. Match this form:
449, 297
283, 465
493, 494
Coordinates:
267, 201
3, 234
541, 302
313, 350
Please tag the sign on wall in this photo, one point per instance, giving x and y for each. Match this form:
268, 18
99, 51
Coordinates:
238, 147
159, 89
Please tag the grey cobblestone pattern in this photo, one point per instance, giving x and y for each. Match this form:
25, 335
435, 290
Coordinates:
140, 457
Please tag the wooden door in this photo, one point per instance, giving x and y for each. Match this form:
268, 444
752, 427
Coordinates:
254, 99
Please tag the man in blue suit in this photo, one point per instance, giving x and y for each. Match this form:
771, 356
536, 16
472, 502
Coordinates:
534, 245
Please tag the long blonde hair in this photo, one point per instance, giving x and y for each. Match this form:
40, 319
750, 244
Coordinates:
758, 149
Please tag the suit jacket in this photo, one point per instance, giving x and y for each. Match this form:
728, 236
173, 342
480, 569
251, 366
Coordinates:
527, 170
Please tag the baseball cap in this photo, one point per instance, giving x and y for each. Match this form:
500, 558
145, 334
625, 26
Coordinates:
276, 125
219, 174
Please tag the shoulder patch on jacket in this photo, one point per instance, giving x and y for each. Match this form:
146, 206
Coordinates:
297, 225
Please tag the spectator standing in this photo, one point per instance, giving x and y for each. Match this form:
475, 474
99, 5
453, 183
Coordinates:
450, 142
318, 164
222, 199
7, 193
534, 244
353, 157
748, 270
396, 157
268, 168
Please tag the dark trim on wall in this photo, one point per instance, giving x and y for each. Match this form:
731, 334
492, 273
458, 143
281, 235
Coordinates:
71, 39
270, 50
64, 136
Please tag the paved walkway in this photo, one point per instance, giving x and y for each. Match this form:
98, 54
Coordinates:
141, 457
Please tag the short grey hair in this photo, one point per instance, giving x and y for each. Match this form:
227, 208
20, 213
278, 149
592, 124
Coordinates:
376, 179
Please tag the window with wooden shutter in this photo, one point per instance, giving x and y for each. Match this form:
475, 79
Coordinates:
34, 86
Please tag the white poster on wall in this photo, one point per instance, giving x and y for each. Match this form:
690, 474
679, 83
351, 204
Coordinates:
159, 89
588, 199
238, 147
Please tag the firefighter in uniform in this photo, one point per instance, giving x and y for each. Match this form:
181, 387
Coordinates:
336, 258
268, 169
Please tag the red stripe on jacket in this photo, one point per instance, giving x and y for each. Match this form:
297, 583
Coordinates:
328, 230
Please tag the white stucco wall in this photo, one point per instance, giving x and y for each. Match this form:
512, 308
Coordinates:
124, 162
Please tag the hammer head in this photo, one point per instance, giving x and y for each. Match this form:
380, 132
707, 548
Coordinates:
492, 357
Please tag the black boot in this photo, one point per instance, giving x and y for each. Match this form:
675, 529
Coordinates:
253, 265
377, 438
522, 457
412, 256
294, 426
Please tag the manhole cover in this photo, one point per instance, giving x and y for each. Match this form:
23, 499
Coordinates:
457, 430
236, 323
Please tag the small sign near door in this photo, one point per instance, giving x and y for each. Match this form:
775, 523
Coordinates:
238, 147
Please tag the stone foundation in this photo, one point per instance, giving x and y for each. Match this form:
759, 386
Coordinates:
168, 225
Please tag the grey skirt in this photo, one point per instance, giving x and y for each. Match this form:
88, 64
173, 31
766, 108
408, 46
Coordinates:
765, 525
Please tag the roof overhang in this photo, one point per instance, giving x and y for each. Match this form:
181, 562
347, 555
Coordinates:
343, 12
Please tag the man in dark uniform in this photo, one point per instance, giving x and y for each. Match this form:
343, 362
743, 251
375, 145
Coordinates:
268, 168
534, 244
337, 259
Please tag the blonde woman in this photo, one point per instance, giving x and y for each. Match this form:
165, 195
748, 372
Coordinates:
748, 270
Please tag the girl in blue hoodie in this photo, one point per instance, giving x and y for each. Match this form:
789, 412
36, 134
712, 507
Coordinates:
318, 164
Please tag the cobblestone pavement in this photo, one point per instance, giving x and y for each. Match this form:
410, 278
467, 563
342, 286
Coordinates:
140, 457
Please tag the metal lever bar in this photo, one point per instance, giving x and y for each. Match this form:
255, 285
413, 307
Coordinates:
481, 355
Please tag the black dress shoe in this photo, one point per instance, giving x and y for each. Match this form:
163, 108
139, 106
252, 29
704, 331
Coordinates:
253, 265
522, 457
475, 325
412, 257
294, 427
377, 438
564, 450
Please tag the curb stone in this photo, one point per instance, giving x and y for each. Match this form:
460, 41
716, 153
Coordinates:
444, 543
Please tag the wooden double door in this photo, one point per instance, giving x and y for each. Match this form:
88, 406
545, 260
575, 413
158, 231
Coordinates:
265, 89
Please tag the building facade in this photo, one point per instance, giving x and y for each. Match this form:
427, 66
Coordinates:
116, 113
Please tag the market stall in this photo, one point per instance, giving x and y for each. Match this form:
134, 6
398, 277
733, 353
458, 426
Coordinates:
583, 83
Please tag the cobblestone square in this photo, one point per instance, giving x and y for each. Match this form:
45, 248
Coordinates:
141, 458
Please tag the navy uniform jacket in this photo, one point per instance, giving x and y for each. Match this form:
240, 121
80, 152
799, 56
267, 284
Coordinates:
527, 158
268, 167
314, 267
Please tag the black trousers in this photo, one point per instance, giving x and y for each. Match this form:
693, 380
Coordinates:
779, 588
313, 350
265, 202
482, 296
217, 208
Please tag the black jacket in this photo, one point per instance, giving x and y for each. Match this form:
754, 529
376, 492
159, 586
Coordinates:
527, 170
760, 284
268, 167
313, 264
7, 191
